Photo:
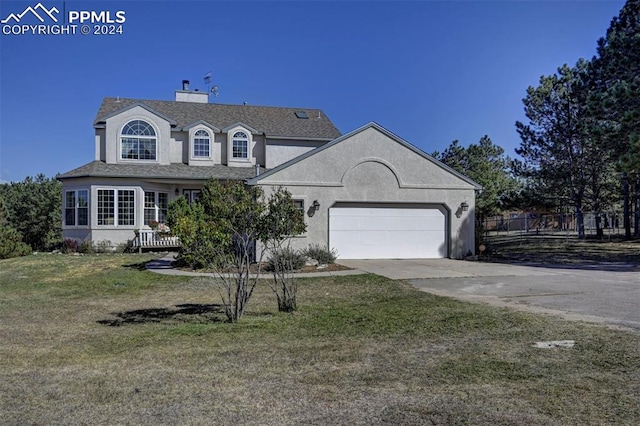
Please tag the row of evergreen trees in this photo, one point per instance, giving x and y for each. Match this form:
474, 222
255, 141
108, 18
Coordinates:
581, 145
30, 216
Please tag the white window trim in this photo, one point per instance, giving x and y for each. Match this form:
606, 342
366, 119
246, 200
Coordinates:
137, 160
76, 208
230, 157
115, 224
239, 139
156, 206
192, 140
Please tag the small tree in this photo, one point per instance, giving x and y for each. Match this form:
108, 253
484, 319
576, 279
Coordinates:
219, 232
282, 221
197, 237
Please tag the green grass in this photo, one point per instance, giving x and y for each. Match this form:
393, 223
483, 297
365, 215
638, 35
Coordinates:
97, 340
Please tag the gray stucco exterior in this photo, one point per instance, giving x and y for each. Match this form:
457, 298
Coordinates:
118, 194
144, 186
371, 167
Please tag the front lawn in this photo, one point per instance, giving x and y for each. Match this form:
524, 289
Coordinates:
98, 340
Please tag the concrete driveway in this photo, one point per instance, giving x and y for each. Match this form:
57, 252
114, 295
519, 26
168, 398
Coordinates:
601, 293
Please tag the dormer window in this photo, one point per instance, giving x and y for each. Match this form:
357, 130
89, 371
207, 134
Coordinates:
138, 141
202, 144
240, 145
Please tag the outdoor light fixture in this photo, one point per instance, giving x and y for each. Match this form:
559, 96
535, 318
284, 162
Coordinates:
177, 191
315, 205
464, 206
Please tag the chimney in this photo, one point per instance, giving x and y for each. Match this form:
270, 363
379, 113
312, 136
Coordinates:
188, 95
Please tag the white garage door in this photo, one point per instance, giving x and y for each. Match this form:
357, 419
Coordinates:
387, 232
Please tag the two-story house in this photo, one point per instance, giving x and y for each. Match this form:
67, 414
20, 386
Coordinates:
369, 194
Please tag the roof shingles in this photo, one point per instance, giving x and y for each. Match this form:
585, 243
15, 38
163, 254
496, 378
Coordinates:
175, 171
272, 121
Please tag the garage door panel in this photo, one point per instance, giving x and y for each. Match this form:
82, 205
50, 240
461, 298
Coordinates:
378, 233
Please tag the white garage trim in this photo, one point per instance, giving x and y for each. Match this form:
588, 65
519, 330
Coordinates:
397, 231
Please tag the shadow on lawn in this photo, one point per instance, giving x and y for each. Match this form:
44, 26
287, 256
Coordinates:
140, 266
183, 313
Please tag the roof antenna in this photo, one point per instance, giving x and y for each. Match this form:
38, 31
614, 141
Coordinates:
210, 90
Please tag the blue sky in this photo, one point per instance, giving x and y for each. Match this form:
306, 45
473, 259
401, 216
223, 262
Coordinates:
428, 71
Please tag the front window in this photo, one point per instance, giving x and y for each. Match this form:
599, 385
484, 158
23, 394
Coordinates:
76, 212
155, 207
202, 144
240, 145
126, 207
116, 207
138, 141
191, 195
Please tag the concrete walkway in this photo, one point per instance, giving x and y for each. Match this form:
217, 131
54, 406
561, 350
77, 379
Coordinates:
164, 266
406, 269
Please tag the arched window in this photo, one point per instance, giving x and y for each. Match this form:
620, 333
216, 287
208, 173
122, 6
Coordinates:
201, 144
138, 141
240, 145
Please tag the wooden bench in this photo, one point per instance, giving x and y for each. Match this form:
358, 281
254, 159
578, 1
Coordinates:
150, 239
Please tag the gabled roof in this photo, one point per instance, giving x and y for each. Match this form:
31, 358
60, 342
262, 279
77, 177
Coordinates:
272, 121
175, 171
203, 123
240, 124
141, 105
381, 129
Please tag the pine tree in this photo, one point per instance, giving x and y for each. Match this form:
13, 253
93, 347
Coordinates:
616, 100
557, 147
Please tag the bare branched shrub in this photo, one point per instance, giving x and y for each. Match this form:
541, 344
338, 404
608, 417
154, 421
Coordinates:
323, 254
281, 222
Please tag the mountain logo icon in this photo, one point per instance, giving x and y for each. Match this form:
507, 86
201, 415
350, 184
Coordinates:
38, 11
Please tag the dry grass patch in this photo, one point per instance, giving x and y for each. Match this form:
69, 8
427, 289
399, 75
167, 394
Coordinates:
361, 350
561, 249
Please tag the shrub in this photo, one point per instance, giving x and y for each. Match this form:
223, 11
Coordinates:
11, 244
289, 258
126, 247
69, 245
103, 246
86, 247
322, 254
